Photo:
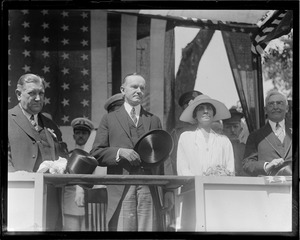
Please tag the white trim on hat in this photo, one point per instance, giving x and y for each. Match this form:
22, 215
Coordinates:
82, 123
222, 111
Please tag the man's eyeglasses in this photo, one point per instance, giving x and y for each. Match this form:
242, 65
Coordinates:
278, 103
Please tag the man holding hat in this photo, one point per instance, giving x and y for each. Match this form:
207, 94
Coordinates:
129, 208
232, 128
269, 149
73, 196
34, 139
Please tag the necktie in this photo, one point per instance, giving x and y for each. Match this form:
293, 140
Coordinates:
34, 124
279, 132
133, 116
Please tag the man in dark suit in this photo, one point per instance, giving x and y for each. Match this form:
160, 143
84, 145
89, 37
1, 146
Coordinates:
129, 208
270, 148
32, 137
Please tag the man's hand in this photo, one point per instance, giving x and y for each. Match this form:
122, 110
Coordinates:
169, 201
274, 163
79, 196
131, 156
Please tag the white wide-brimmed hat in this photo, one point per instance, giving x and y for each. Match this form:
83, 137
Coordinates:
222, 111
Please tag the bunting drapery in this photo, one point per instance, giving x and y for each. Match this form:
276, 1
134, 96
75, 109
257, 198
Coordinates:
244, 70
188, 67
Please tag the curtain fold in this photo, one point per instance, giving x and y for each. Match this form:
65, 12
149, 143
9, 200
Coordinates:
188, 67
244, 69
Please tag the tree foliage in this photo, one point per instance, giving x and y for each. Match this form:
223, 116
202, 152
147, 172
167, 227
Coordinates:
277, 64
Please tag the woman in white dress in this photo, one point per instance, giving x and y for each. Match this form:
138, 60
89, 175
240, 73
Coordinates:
202, 152
203, 148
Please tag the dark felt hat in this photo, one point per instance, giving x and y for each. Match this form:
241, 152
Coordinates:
188, 96
286, 169
81, 162
235, 116
154, 147
117, 99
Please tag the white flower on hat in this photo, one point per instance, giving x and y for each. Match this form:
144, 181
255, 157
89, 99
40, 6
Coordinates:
191, 101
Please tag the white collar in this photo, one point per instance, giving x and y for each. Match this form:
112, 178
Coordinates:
273, 124
28, 115
128, 108
79, 146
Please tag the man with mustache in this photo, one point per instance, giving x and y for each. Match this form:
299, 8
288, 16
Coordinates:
270, 148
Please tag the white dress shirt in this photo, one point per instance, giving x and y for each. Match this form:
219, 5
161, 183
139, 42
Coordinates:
128, 109
137, 108
28, 115
273, 126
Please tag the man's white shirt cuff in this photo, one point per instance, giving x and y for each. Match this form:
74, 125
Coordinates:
118, 156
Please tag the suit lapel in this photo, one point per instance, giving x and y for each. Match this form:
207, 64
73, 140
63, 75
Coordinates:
287, 140
271, 138
122, 117
51, 143
48, 136
145, 120
23, 122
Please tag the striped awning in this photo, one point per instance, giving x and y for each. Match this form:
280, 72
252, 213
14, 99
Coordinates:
237, 16
262, 25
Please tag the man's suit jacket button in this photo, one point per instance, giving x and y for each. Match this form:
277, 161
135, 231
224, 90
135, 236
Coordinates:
33, 156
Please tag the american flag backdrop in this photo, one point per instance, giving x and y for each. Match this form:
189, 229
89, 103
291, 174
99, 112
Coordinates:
54, 44
83, 56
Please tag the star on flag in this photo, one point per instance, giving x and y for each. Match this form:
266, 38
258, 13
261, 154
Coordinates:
44, 44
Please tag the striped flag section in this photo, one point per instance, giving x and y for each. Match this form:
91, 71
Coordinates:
273, 26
